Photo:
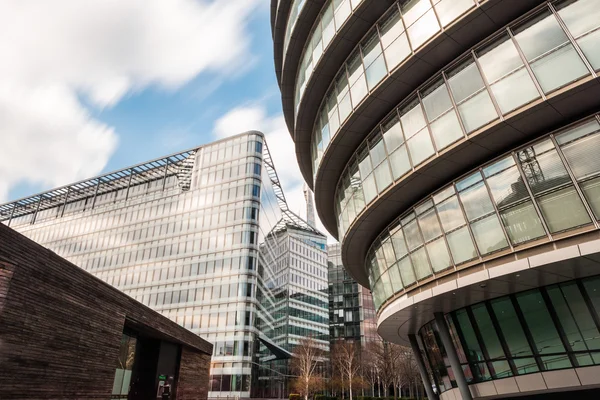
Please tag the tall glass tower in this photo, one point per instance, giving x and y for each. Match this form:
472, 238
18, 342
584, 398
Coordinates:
186, 235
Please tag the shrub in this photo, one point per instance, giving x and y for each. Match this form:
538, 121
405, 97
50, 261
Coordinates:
296, 397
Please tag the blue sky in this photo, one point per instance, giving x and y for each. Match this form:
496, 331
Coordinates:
90, 87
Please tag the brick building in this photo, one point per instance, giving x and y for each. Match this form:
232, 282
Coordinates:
66, 334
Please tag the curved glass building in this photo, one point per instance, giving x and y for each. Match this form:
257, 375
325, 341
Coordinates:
453, 147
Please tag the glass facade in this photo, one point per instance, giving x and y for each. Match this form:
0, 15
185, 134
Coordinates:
405, 28
544, 329
513, 69
535, 192
301, 308
351, 309
184, 235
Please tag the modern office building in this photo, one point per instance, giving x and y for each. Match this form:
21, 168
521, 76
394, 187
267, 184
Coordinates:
452, 146
351, 308
301, 308
65, 334
185, 235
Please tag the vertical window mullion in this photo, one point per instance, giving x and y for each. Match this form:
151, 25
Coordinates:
575, 182
533, 200
527, 332
501, 337
526, 64
572, 40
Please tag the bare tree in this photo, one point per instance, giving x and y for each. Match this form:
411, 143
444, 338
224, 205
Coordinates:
346, 358
305, 361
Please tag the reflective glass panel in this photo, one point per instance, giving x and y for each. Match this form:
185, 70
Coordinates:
543, 332
420, 147
438, 254
450, 214
511, 327
461, 245
400, 162
522, 223
553, 205
487, 331
421, 263
488, 235
406, 271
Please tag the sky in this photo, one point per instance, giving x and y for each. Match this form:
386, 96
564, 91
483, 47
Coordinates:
91, 86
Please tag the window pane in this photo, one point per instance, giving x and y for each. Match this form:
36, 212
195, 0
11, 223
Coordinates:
591, 190
582, 154
507, 187
413, 9
397, 52
526, 366
369, 188
364, 163
522, 223
574, 317
392, 134
446, 130
559, 68
472, 350
377, 150
450, 214
412, 235
421, 264
476, 201
589, 46
395, 279
461, 245
400, 162
429, 225
412, 119
376, 72
545, 171
399, 244
391, 27
580, 16
383, 176
487, 331
555, 205
511, 327
436, 101
371, 48
449, 10
538, 320
420, 147
514, 91
406, 271
540, 35
500, 369
438, 254
499, 59
423, 29
477, 111
465, 81
488, 235
358, 91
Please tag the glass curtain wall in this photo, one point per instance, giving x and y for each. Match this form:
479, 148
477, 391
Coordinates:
518, 66
550, 328
534, 193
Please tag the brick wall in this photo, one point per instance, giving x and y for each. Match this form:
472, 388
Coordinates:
193, 376
60, 327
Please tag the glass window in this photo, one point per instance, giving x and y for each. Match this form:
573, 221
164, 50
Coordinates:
476, 201
438, 254
582, 17
369, 188
429, 225
450, 214
436, 100
465, 81
383, 176
397, 52
507, 187
446, 130
395, 279
391, 27
514, 91
522, 223
420, 147
399, 244
461, 245
392, 134
511, 327
377, 150
543, 332
406, 271
553, 208
488, 235
412, 235
553, 59
412, 119
487, 331
376, 72
423, 29
421, 263
400, 162
449, 10
472, 349
477, 111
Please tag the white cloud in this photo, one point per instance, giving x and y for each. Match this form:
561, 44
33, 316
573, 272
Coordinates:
56, 53
255, 117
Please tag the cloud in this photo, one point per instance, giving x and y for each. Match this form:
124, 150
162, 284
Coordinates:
64, 59
254, 116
